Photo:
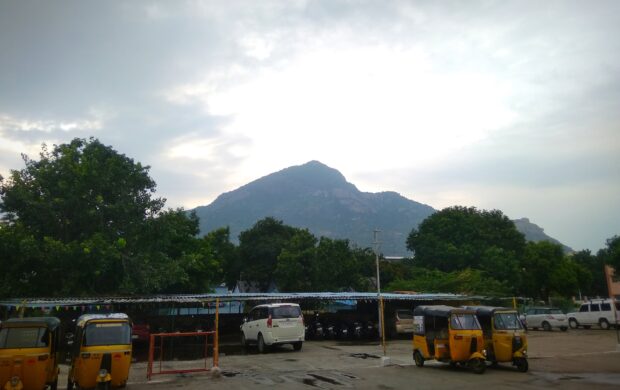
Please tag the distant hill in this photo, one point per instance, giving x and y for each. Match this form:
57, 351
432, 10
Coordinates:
533, 232
319, 198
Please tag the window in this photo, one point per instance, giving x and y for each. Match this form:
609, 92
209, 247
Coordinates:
595, 307
286, 312
530, 312
464, 321
24, 338
605, 307
583, 309
404, 314
107, 333
505, 321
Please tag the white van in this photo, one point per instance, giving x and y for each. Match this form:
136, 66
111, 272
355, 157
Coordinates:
273, 324
595, 312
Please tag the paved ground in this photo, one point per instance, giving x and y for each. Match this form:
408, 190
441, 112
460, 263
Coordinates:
567, 360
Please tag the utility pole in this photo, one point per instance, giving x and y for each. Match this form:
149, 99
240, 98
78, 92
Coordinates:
385, 359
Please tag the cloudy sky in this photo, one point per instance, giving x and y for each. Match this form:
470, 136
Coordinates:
509, 105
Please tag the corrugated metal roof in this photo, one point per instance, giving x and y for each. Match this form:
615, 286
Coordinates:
200, 298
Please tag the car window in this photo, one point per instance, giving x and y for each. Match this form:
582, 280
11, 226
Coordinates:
404, 315
618, 306
583, 308
605, 307
264, 313
107, 333
253, 315
507, 321
530, 312
285, 312
595, 307
24, 337
464, 321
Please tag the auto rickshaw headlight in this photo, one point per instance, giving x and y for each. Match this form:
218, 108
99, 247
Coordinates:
484, 352
14, 381
103, 372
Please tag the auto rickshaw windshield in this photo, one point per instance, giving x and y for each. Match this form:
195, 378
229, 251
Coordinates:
107, 333
464, 321
36, 337
507, 321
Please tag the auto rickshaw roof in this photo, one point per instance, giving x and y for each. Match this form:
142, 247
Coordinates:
439, 310
488, 311
85, 318
47, 322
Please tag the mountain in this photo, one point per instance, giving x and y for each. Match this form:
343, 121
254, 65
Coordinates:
533, 232
319, 198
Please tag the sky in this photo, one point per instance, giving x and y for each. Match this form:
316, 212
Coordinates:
509, 105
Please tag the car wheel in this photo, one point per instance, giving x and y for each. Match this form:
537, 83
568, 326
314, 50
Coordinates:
262, 348
478, 365
418, 359
573, 323
603, 323
522, 364
297, 346
546, 326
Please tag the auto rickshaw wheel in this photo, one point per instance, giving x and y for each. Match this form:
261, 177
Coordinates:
103, 385
477, 365
418, 359
69, 384
522, 364
54, 385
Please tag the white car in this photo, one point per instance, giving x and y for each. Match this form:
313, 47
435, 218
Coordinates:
273, 324
596, 312
546, 318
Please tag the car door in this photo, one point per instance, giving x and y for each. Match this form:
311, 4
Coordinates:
595, 311
250, 328
532, 318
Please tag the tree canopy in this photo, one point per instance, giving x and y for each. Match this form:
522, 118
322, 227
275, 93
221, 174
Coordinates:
83, 220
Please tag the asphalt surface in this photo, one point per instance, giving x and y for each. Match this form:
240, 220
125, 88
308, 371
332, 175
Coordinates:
569, 360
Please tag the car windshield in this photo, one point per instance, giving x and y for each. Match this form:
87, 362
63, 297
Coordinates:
285, 312
464, 321
555, 311
107, 333
36, 337
507, 321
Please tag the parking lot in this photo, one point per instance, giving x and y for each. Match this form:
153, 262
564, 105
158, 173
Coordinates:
570, 360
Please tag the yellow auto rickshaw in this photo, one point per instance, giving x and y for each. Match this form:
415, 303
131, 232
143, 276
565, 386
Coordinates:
29, 353
448, 334
101, 352
504, 336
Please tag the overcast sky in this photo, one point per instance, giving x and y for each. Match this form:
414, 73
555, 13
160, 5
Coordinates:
509, 105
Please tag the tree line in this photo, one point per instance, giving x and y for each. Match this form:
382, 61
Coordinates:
83, 220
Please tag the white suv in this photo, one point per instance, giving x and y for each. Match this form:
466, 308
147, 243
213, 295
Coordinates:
546, 318
273, 324
596, 312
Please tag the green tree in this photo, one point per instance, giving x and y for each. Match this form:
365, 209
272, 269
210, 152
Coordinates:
225, 253
467, 281
294, 269
82, 220
259, 248
611, 253
594, 284
459, 237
